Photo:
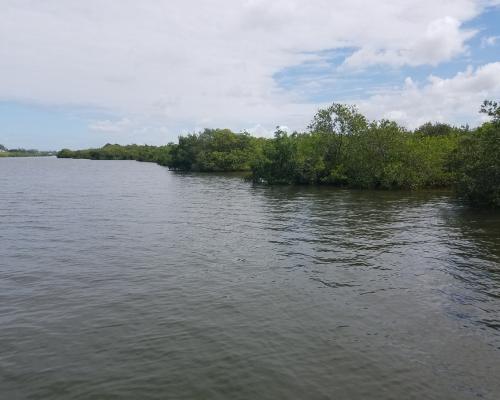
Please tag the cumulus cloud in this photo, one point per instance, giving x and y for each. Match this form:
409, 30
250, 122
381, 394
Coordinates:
442, 40
188, 63
440, 100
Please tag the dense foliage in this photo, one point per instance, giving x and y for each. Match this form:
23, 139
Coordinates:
213, 150
476, 162
342, 148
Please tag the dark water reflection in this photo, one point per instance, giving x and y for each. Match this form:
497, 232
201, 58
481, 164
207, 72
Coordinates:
124, 280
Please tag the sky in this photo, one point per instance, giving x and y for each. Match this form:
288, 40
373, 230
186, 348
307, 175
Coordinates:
77, 74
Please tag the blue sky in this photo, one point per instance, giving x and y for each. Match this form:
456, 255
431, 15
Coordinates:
80, 75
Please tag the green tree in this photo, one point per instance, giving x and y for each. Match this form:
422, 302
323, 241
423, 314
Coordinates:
277, 161
492, 109
436, 129
476, 166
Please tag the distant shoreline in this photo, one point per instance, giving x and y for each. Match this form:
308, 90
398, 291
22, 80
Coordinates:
24, 155
20, 152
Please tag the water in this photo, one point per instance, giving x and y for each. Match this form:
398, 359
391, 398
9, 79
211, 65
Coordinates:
122, 280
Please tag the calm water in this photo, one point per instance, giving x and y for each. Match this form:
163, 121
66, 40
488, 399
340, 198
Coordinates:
122, 280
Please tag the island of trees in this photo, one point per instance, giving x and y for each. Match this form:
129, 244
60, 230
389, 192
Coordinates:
342, 148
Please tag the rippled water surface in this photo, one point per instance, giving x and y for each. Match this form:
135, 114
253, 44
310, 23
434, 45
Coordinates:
122, 280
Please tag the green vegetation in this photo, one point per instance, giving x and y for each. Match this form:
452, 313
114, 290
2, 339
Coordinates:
342, 148
4, 152
214, 150
155, 154
476, 161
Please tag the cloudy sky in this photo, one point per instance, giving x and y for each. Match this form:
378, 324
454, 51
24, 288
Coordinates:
82, 73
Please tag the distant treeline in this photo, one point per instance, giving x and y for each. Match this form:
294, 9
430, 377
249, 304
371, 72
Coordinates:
157, 154
342, 148
5, 152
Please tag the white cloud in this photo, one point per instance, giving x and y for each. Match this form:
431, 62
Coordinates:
442, 40
183, 64
489, 41
110, 126
442, 100
259, 130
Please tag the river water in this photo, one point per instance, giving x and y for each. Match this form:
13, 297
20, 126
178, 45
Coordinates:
123, 280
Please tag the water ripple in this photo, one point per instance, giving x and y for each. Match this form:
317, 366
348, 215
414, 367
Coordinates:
125, 280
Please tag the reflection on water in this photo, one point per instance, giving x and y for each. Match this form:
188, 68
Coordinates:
125, 280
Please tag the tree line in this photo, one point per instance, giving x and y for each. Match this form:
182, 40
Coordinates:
5, 152
341, 147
